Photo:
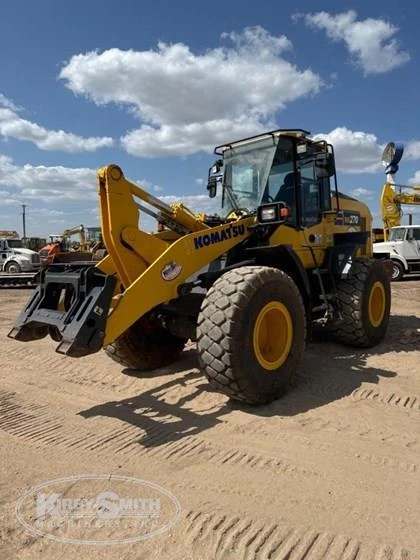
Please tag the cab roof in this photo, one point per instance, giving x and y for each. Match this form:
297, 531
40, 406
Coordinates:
295, 132
406, 226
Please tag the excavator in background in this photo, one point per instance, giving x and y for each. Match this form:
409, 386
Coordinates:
286, 251
402, 242
61, 249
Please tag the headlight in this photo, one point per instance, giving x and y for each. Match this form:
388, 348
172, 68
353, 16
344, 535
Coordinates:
268, 214
273, 213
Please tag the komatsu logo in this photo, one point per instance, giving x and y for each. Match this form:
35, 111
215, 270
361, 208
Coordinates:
218, 236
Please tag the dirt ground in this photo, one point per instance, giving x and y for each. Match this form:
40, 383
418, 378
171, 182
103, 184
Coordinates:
330, 471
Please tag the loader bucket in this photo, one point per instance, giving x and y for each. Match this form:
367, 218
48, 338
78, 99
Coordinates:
71, 304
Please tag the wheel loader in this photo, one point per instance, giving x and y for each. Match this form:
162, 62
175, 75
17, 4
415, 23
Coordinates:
287, 251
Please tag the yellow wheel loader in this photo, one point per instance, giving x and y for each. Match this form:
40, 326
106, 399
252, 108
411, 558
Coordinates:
288, 250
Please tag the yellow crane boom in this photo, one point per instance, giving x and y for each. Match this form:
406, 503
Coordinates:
391, 202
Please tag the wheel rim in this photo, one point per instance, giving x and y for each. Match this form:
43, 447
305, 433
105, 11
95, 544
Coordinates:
395, 271
273, 335
13, 268
377, 301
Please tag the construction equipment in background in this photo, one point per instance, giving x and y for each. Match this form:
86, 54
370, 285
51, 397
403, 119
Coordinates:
402, 242
289, 251
61, 248
34, 243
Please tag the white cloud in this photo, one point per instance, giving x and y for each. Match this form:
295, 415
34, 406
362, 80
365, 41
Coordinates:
355, 151
188, 102
148, 185
174, 140
415, 179
13, 125
8, 103
361, 192
370, 42
412, 150
61, 196
48, 184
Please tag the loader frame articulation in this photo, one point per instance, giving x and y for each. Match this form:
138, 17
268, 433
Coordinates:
140, 259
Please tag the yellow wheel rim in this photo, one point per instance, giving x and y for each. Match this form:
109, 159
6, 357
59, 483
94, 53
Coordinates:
377, 301
273, 335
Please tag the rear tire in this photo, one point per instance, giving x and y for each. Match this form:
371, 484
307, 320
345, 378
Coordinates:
251, 333
146, 346
365, 302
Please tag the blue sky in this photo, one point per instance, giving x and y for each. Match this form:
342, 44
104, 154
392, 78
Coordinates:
155, 86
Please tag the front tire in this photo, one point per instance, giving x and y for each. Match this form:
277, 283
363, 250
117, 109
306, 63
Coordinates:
397, 271
364, 299
146, 346
251, 333
13, 267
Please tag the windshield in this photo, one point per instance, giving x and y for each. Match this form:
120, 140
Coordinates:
246, 172
14, 243
397, 234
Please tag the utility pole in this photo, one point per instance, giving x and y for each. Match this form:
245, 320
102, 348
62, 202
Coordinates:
24, 220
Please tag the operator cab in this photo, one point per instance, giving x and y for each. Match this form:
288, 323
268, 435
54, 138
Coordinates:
282, 176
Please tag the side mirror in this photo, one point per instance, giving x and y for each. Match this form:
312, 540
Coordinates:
212, 187
324, 166
216, 167
214, 176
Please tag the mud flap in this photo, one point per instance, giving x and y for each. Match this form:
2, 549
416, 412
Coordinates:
71, 304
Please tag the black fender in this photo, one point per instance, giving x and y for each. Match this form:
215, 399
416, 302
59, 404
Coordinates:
285, 258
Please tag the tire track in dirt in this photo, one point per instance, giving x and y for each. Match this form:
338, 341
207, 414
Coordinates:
408, 402
224, 536
37, 425
389, 462
87, 372
341, 391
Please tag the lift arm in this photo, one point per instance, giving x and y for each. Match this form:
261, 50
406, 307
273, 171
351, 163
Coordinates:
141, 271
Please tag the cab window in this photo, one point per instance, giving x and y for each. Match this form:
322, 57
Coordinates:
416, 234
281, 183
315, 193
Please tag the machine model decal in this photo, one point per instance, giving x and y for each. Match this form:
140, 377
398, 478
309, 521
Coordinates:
218, 236
348, 218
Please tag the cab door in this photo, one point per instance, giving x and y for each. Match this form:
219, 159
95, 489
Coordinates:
314, 200
412, 244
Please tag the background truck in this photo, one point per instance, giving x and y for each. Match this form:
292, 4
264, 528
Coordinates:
403, 247
14, 257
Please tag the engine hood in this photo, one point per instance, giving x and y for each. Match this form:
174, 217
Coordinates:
24, 252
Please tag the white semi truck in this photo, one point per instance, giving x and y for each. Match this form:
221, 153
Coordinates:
403, 246
14, 257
